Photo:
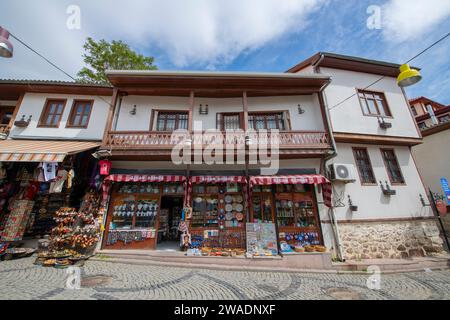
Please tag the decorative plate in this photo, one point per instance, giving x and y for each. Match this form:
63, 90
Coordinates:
228, 199
228, 207
239, 207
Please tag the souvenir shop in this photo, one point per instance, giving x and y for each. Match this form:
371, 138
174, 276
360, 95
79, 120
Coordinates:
209, 215
33, 193
144, 211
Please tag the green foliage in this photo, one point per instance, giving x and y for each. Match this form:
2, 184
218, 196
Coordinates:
115, 55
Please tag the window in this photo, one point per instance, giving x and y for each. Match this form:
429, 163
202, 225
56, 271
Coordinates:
445, 118
414, 111
51, 116
228, 121
364, 166
80, 113
6, 115
392, 166
275, 120
172, 120
373, 103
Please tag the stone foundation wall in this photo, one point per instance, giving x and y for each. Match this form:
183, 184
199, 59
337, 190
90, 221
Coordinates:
399, 239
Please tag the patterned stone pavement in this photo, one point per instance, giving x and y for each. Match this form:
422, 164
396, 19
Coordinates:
20, 279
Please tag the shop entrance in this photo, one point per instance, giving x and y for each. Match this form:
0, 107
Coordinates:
169, 219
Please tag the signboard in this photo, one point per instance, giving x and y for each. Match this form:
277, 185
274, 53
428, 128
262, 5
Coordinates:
445, 188
261, 239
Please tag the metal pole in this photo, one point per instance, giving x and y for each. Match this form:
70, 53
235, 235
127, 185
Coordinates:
436, 213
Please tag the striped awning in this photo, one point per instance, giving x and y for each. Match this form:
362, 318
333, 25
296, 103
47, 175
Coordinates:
217, 179
41, 150
290, 179
144, 178
297, 179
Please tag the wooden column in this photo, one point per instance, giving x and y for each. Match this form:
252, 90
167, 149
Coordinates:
191, 111
15, 112
111, 111
245, 109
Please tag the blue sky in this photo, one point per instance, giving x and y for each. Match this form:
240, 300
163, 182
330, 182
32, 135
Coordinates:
247, 35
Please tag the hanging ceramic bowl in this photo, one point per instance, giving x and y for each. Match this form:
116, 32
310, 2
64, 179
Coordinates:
229, 216
228, 199
228, 207
239, 199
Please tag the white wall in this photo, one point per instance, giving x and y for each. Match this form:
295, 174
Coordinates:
348, 116
371, 202
33, 104
433, 159
311, 120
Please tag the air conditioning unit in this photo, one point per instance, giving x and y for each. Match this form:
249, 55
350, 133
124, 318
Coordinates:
342, 172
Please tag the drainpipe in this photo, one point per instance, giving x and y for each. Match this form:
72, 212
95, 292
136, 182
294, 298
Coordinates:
333, 154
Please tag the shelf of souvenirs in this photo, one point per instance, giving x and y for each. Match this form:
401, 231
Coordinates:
155, 189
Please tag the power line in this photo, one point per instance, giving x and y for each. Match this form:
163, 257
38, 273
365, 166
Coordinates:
51, 63
382, 77
40, 55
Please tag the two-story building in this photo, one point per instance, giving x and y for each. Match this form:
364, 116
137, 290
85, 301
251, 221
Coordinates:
377, 188
205, 153
49, 131
219, 116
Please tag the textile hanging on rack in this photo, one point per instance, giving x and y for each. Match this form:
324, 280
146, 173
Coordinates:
57, 185
49, 170
70, 177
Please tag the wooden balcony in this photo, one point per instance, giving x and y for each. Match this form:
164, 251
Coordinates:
143, 142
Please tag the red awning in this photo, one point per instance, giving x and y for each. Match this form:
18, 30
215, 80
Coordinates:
144, 178
297, 179
217, 179
290, 179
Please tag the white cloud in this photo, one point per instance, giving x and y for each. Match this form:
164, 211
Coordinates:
206, 33
405, 20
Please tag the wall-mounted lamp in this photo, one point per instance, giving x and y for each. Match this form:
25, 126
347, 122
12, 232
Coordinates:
203, 109
387, 191
133, 111
22, 123
300, 109
352, 207
383, 124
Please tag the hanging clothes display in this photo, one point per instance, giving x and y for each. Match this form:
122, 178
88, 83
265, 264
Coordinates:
49, 170
70, 177
57, 185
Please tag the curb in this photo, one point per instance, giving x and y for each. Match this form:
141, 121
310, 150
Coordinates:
255, 269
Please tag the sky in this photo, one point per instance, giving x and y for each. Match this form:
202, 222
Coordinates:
232, 35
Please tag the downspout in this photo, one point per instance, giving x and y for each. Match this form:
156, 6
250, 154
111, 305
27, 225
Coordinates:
333, 154
116, 115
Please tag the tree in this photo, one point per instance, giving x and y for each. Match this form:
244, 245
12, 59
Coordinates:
115, 55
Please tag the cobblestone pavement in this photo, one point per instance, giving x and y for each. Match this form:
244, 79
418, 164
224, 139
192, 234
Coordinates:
20, 279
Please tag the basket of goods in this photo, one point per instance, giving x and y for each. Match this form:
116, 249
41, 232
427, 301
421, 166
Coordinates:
62, 263
299, 249
310, 248
49, 263
320, 248
240, 252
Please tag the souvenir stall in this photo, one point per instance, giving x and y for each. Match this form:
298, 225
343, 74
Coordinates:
33, 192
73, 239
289, 203
134, 211
217, 222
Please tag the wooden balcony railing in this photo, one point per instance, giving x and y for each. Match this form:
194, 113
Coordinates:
166, 140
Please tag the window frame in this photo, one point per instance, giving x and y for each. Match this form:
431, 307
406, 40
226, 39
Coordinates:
157, 112
45, 113
363, 183
403, 183
5, 110
286, 120
220, 120
72, 114
387, 110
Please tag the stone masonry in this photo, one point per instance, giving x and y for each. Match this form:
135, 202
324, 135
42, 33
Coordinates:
381, 240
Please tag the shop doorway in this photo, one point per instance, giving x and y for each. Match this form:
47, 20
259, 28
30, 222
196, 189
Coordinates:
169, 219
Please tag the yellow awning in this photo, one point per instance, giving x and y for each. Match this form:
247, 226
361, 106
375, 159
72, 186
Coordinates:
41, 150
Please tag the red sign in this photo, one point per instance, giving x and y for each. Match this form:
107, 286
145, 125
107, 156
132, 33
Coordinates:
105, 166
441, 207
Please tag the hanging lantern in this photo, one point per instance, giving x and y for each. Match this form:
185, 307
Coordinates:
408, 76
6, 47
105, 166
